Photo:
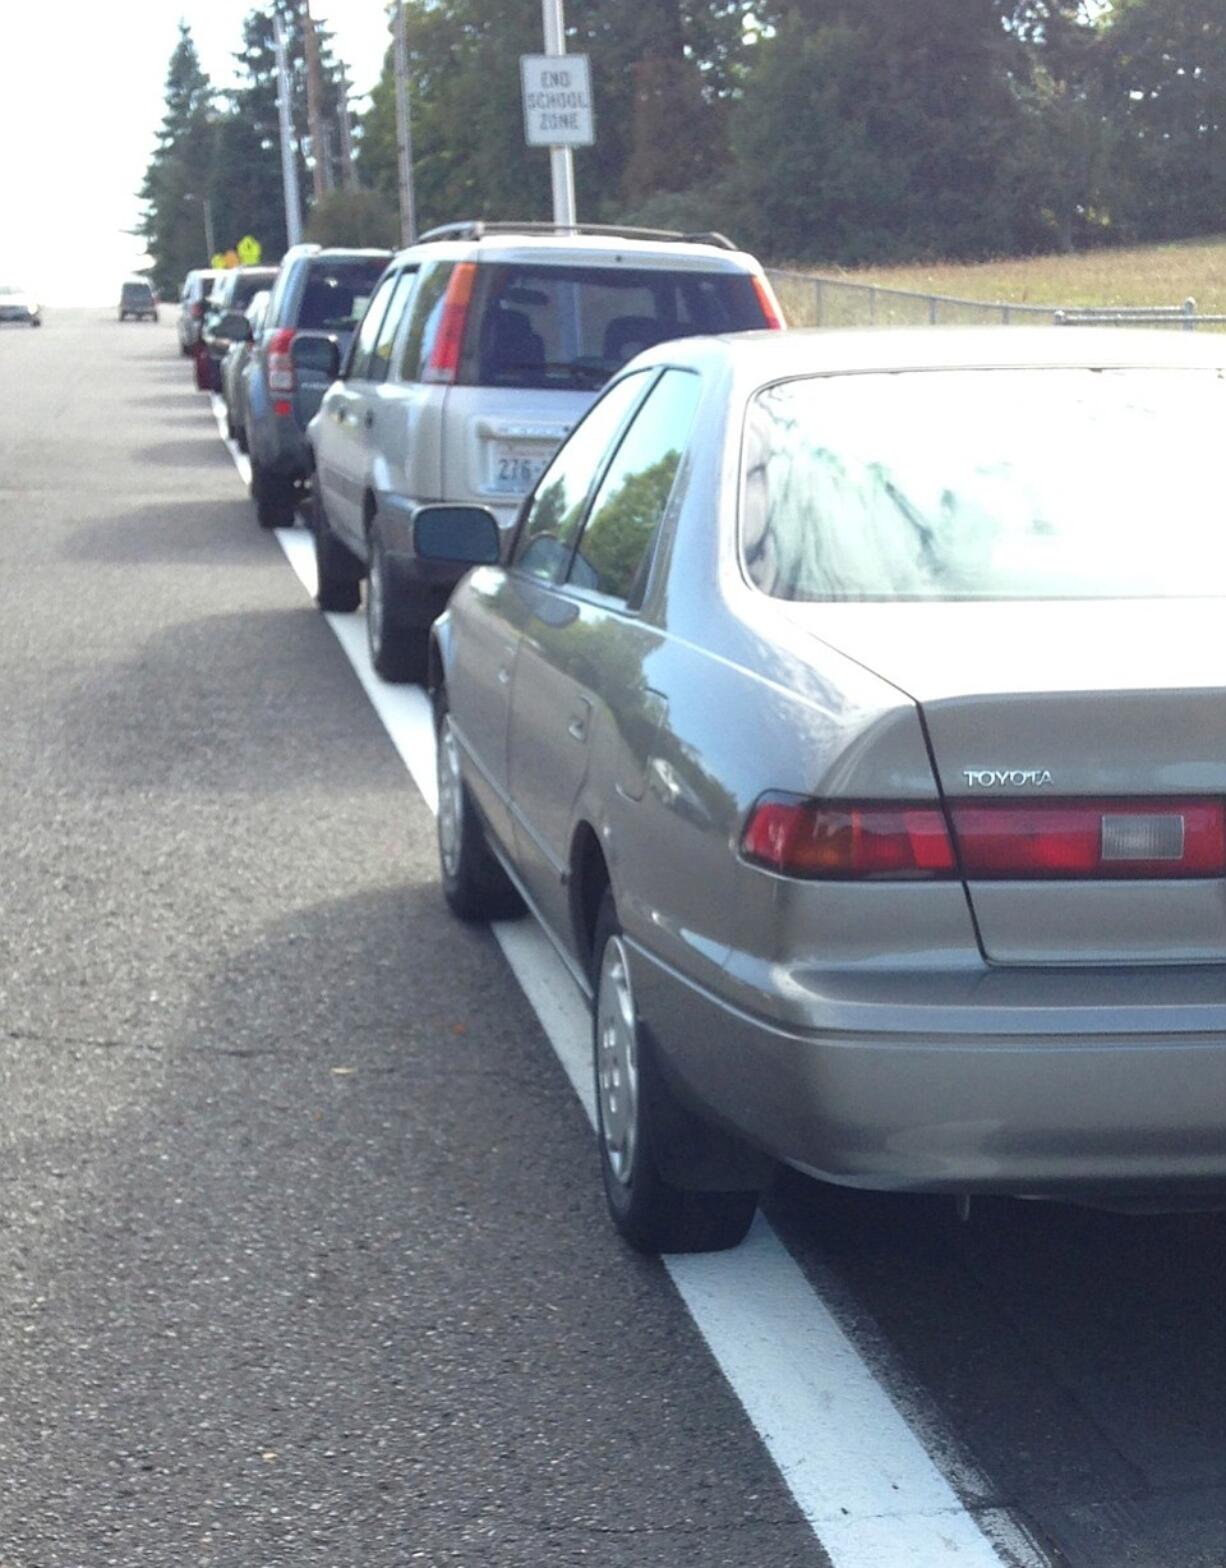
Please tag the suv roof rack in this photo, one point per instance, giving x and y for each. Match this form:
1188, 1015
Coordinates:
478, 228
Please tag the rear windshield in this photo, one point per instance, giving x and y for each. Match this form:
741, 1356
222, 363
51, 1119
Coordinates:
539, 326
132, 291
245, 289
336, 294
987, 484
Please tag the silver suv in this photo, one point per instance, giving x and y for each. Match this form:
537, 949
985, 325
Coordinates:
480, 348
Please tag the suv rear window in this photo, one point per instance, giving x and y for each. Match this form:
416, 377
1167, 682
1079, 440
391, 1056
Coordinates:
337, 293
542, 326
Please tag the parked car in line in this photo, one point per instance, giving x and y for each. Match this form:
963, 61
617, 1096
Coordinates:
850, 710
233, 365
18, 305
193, 301
317, 301
234, 290
482, 346
137, 299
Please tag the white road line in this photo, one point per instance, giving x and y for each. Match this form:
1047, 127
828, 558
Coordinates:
858, 1472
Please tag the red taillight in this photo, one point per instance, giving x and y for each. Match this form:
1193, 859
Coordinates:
809, 838
197, 308
770, 305
1101, 838
444, 361
280, 360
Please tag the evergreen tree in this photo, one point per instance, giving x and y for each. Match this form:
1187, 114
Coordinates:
248, 195
177, 181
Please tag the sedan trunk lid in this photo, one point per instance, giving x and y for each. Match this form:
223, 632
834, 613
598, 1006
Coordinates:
1121, 703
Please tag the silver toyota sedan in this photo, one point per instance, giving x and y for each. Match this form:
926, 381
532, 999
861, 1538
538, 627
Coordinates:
851, 712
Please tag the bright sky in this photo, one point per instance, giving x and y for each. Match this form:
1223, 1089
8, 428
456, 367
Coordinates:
81, 95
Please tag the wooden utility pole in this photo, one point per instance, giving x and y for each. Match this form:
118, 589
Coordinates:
315, 97
349, 177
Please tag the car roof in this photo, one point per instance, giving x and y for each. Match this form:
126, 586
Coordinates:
774, 356
584, 249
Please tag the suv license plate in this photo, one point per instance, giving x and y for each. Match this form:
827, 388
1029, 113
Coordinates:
513, 471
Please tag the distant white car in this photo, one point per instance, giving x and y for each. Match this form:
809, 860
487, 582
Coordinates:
17, 305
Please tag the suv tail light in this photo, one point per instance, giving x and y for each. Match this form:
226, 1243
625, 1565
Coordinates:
444, 361
770, 305
197, 308
996, 840
280, 360
1090, 839
809, 838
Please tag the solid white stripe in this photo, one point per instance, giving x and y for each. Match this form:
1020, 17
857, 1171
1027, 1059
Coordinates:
858, 1472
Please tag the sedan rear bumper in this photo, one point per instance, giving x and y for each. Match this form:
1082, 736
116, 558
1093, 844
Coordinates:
1045, 1114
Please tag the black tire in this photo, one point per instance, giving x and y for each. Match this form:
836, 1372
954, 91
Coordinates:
633, 1106
273, 496
399, 647
36, 322
123, 315
474, 883
231, 427
240, 438
338, 571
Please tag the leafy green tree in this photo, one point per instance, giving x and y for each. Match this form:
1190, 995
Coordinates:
363, 218
1166, 77
869, 130
176, 183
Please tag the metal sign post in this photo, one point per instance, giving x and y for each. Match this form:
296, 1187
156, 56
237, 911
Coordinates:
568, 126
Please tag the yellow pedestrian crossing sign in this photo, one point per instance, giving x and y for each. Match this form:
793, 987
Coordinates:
249, 250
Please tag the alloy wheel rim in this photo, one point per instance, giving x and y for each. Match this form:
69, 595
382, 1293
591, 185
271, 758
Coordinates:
450, 800
617, 1075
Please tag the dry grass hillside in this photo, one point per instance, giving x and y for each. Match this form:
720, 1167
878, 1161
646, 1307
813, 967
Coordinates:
1150, 275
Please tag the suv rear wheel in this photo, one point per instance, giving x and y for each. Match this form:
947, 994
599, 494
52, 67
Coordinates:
273, 496
338, 573
398, 647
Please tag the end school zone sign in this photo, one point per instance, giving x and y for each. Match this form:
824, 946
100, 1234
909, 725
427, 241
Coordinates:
557, 100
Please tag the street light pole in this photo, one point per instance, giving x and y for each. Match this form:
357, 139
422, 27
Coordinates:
289, 165
561, 159
404, 129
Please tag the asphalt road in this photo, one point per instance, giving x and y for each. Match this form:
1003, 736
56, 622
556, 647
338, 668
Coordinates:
302, 1254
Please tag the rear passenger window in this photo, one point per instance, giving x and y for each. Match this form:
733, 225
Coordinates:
558, 502
615, 550
427, 312
381, 359
364, 342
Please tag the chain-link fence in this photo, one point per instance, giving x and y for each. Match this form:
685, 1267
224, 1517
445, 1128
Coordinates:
810, 301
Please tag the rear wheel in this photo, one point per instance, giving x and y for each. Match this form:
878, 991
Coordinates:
338, 572
398, 647
633, 1107
474, 883
273, 496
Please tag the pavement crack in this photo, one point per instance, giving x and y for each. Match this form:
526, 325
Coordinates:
77, 1041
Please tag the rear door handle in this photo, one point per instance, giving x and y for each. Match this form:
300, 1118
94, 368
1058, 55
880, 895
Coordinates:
576, 726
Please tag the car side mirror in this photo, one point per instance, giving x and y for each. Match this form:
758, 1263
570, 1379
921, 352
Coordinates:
462, 535
317, 352
234, 326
